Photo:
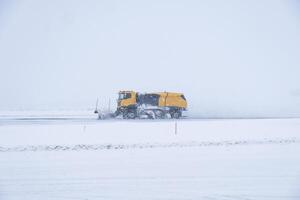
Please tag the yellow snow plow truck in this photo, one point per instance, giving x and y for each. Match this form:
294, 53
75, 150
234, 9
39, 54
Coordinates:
160, 105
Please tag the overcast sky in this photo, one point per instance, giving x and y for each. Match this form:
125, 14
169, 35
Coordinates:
230, 58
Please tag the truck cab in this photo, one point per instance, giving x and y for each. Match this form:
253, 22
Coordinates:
127, 104
126, 98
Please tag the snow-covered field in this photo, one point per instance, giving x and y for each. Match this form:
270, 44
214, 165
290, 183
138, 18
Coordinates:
66, 157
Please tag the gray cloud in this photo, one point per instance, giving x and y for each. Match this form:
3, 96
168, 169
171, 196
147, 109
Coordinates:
229, 58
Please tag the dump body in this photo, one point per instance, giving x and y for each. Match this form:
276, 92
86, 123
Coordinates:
169, 99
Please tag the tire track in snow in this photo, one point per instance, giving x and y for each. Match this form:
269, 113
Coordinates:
89, 147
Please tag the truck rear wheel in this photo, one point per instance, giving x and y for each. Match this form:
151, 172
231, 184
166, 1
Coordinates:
159, 114
176, 114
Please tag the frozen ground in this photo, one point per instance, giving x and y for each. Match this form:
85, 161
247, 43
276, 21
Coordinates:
77, 157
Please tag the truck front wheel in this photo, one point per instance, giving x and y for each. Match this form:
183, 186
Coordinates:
129, 115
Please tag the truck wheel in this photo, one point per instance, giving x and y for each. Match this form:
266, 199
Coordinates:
176, 114
129, 115
159, 114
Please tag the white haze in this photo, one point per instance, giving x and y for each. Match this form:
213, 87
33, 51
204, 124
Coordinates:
230, 58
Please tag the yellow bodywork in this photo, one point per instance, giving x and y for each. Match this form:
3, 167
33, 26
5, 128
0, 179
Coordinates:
166, 99
171, 99
128, 101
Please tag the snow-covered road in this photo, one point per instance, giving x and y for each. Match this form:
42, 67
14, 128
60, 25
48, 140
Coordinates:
205, 159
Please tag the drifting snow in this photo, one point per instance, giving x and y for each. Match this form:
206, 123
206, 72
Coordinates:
86, 147
84, 158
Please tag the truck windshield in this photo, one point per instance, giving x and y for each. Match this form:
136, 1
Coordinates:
124, 96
